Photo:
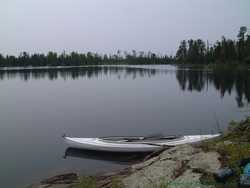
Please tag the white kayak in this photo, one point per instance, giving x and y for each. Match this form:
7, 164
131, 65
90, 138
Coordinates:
133, 144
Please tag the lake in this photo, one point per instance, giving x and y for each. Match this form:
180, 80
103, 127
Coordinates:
37, 106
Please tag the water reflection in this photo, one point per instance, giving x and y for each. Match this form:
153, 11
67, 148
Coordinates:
76, 72
224, 81
118, 158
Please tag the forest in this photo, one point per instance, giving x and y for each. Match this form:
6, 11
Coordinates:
224, 51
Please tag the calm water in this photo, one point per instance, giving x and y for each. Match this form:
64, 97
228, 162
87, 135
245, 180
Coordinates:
38, 106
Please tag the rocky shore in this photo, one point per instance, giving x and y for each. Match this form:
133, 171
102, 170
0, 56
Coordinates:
180, 166
185, 166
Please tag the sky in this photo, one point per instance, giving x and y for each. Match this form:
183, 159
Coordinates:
104, 26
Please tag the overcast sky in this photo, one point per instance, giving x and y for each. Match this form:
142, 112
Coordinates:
105, 26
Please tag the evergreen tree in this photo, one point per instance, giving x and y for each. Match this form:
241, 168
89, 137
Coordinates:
241, 42
181, 54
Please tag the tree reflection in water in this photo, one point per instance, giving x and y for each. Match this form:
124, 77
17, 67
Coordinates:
189, 79
224, 81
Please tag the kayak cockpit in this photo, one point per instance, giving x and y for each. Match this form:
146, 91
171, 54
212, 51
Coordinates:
138, 139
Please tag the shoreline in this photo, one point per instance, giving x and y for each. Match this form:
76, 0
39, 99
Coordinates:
177, 167
209, 66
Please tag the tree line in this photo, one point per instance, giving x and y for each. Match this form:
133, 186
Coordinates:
191, 51
81, 59
223, 51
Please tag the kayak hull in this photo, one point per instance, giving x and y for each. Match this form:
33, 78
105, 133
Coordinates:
96, 145
99, 144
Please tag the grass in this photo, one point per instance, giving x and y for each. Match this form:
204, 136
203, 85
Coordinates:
91, 182
233, 147
86, 182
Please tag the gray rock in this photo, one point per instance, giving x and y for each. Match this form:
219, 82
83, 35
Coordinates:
173, 167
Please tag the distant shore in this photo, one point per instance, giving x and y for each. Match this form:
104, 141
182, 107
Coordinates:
178, 65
